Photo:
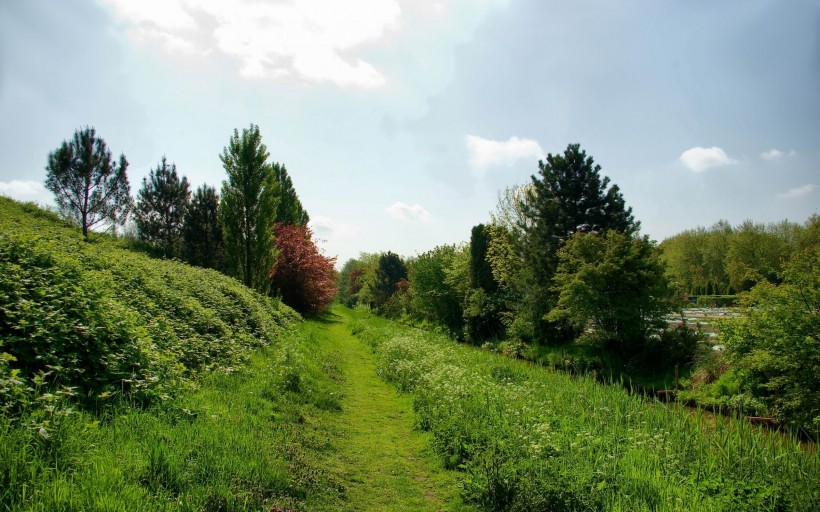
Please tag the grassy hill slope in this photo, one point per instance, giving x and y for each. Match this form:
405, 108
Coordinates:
93, 320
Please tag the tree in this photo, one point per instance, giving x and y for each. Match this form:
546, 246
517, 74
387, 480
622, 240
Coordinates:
755, 253
775, 345
613, 287
201, 231
350, 280
482, 303
567, 196
88, 186
248, 208
290, 210
381, 278
303, 277
161, 206
433, 297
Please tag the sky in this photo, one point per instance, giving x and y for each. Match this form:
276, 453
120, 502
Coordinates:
399, 121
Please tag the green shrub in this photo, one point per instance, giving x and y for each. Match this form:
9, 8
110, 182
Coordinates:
94, 320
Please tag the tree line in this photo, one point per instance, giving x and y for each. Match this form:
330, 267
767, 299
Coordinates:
725, 260
561, 268
562, 260
253, 229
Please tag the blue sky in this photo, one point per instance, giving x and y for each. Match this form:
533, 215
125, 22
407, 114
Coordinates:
400, 120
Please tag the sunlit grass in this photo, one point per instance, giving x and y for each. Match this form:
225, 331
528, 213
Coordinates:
241, 442
529, 439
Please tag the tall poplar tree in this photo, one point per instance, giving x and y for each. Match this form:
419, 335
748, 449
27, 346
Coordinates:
88, 186
161, 205
248, 208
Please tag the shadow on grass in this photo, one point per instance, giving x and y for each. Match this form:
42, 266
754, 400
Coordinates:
325, 318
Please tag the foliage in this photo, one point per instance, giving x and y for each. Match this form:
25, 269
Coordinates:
289, 210
248, 208
723, 260
202, 232
534, 440
303, 277
96, 321
695, 260
775, 346
482, 302
88, 187
756, 253
567, 196
349, 281
434, 299
381, 279
612, 286
160, 209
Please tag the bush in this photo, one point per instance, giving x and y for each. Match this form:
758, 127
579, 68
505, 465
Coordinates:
94, 320
775, 346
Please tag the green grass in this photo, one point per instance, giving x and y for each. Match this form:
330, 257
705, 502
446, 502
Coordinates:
385, 463
528, 439
242, 442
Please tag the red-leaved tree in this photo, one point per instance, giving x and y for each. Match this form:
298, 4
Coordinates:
305, 279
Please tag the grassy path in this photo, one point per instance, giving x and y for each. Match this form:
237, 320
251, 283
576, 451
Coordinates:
382, 462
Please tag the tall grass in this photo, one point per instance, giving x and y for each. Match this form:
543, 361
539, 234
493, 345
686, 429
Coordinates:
528, 439
245, 441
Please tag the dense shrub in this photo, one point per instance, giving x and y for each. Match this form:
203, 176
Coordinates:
775, 346
303, 277
95, 320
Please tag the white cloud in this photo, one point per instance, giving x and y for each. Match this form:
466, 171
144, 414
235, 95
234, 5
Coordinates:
311, 39
699, 159
171, 43
772, 154
776, 154
403, 211
27, 190
325, 227
796, 192
485, 152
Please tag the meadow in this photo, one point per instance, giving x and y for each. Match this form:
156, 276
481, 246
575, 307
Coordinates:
530, 439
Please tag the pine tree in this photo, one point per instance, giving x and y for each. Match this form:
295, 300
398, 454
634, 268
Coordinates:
161, 206
201, 231
567, 196
247, 208
87, 185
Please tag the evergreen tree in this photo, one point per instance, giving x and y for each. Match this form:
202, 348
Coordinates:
248, 208
201, 231
88, 186
382, 281
567, 196
161, 206
482, 303
481, 274
290, 210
